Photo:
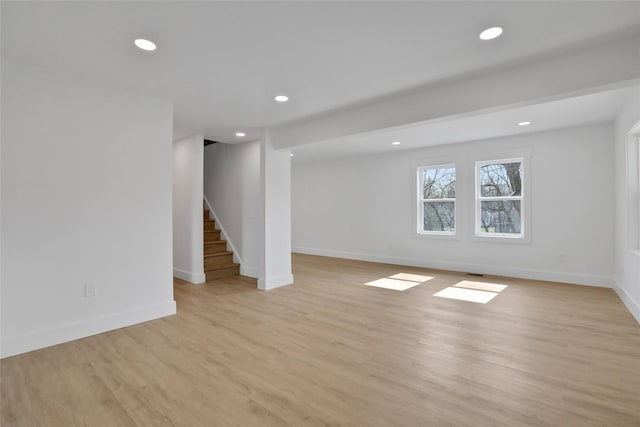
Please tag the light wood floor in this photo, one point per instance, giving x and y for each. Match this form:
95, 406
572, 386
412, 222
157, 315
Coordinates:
331, 351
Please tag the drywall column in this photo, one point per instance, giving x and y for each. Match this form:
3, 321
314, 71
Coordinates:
188, 165
275, 174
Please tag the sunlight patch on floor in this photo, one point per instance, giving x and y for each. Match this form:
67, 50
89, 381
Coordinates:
468, 290
470, 295
394, 284
411, 277
481, 286
399, 281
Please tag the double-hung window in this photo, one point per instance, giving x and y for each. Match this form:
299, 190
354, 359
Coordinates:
437, 200
500, 198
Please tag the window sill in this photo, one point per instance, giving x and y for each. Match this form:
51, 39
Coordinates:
501, 239
438, 236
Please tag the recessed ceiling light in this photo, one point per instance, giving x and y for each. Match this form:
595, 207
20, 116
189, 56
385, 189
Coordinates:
491, 33
290, 154
145, 44
395, 143
524, 123
240, 134
281, 98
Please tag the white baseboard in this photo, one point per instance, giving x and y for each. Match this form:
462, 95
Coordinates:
249, 271
552, 276
275, 282
17, 344
195, 278
632, 305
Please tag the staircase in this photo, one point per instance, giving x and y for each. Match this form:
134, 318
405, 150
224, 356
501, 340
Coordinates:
218, 262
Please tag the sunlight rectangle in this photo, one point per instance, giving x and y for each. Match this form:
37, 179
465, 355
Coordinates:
481, 286
470, 295
394, 284
411, 277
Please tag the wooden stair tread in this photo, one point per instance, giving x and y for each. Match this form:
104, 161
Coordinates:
213, 242
213, 275
222, 267
218, 254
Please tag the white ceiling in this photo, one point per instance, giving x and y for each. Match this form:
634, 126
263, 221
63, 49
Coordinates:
223, 62
593, 108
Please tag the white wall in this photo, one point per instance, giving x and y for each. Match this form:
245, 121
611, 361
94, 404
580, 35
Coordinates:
86, 198
627, 265
363, 208
188, 158
232, 186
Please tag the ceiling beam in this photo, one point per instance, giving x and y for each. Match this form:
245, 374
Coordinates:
541, 79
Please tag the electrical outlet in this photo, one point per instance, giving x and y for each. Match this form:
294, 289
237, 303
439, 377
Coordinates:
89, 290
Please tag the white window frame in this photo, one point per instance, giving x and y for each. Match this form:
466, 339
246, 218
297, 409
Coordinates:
523, 198
421, 200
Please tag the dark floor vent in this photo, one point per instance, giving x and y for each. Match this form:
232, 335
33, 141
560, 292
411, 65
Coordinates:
475, 274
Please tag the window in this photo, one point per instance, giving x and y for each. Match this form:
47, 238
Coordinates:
437, 200
499, 198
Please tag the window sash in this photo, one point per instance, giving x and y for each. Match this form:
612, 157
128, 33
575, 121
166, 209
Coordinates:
438, 232
439, 200
497, 199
